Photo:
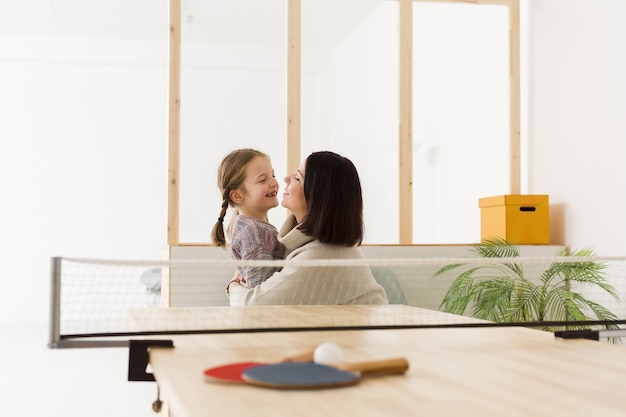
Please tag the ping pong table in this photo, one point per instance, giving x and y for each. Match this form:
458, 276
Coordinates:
468, 371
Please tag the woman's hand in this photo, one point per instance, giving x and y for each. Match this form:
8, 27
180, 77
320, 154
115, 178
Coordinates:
239, 279
236, 280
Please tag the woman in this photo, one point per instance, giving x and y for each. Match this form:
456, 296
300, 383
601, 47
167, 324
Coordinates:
324, 197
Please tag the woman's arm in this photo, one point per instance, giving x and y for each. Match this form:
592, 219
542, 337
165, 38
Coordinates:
306, 285
266, 293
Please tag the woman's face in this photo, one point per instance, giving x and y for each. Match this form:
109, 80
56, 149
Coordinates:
293, 198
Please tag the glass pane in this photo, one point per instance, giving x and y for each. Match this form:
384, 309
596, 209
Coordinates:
350, 98
460, 117
232, 96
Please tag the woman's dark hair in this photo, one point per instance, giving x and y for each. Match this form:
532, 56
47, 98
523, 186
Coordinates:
332, 190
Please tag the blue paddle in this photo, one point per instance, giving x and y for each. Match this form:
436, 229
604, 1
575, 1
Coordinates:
309, 375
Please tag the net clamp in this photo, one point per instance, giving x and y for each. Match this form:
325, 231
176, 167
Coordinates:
139, 358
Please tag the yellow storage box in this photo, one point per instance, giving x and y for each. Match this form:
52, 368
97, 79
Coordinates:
520, 219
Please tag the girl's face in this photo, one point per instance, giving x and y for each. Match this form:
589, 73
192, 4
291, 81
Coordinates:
259, 191
293, 198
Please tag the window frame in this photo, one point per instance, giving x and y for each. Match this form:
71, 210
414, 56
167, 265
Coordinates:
293, 114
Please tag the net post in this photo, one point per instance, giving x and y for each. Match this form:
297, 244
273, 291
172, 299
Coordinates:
55, 303
578, 334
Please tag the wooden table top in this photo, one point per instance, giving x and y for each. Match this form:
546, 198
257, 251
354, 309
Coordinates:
269, 317
484, 371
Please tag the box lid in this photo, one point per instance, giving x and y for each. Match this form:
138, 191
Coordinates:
513, 200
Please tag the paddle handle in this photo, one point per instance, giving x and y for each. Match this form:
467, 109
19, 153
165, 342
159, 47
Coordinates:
300, 357
378, 367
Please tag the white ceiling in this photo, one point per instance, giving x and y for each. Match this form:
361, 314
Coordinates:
260, 21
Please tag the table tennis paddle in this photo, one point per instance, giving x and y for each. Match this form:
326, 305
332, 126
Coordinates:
309, 375
232, 372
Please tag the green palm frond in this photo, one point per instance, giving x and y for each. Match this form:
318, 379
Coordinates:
601, 312
500, 248
447, 268
497, 248
583, 253
492, 299
459, 294
525, 302
499, 292
586, 273
563, 305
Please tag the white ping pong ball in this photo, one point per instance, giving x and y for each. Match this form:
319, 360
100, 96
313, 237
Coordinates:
328, 354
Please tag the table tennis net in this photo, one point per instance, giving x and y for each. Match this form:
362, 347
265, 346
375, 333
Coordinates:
99, 299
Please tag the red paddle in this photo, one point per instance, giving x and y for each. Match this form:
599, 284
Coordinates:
232, 372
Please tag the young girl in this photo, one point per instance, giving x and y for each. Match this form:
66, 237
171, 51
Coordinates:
247, 183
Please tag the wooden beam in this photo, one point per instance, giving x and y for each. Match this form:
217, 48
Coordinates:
173, 197
405, 131
515, 106
294, 78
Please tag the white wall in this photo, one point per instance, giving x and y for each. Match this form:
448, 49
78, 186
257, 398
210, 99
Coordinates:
82, 173
82, 158
577, 135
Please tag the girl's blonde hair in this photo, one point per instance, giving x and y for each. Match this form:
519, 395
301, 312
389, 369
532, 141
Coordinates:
230, 176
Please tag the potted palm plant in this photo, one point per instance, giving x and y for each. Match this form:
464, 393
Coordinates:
500, 291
